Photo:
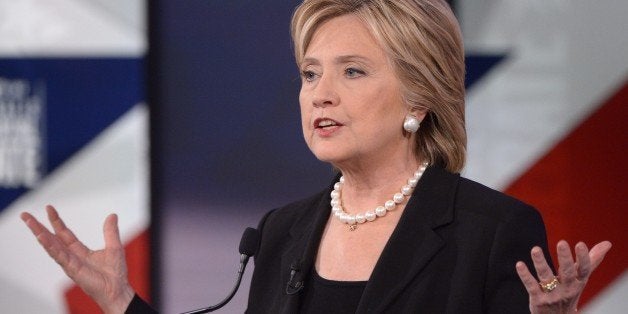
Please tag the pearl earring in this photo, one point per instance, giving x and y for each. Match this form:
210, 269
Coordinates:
411, 124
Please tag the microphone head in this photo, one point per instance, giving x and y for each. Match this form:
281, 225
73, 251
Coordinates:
250, 242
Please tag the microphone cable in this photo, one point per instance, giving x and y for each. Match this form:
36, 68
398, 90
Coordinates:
248, 247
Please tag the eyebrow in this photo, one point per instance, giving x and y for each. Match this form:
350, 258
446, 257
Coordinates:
338, 59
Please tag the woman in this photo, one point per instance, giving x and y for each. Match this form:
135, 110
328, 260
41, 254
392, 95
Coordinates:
382, 100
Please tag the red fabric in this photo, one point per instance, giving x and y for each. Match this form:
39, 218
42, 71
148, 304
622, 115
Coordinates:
580, 188
138, 261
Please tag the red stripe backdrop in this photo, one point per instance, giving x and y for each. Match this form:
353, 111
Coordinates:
580, 188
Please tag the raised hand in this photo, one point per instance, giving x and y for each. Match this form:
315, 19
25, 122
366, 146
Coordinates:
560, 293
101, 274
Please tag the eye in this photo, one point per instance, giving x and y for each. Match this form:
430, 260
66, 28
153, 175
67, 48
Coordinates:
353, 72
308, 75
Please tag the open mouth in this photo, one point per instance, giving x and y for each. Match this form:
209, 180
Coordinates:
325, 123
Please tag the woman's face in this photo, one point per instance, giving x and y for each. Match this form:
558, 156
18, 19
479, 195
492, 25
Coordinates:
351, 103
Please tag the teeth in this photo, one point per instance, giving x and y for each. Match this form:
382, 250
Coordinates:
325, 123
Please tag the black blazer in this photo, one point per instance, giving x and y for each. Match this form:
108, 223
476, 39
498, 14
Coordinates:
453, 251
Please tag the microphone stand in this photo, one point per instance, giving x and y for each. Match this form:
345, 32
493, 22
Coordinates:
243, 260
248, 247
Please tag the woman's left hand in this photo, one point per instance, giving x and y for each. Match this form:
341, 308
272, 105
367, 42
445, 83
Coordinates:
560, 293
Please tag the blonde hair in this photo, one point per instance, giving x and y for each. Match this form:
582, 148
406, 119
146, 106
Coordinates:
423, 40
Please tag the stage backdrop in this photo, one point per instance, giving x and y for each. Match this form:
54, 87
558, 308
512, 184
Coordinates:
546, 105
73, 133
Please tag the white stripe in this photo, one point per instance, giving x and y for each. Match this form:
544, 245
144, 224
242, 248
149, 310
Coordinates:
613, 300
72, 28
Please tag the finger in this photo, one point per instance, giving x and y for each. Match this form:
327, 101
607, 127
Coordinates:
57, 224
566, 265
43, 235
583, 260
590, 260
52, 245
543, 271
33, 224
598, 252
46, 239
112, 233
53, 248
64, 234
528, 280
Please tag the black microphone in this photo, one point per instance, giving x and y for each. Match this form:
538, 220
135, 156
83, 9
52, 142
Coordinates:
293, 287
248, 247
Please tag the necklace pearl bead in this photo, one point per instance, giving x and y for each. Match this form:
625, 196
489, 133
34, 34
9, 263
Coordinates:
390, 205
380, 211
359, 218
398, 198
406, 190
335, 194
370, 215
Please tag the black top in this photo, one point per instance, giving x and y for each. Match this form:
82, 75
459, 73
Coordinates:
329, 296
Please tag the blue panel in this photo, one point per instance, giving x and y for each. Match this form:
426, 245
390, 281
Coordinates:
480, 65
228, 117
82, 97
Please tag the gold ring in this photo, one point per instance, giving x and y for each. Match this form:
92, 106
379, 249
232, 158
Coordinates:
548, 287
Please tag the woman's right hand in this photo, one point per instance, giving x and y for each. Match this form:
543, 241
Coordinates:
101, 274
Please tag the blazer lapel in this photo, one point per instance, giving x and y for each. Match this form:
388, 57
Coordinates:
305, 238
414, 242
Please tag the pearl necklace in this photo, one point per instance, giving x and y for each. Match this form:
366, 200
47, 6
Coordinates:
379, 211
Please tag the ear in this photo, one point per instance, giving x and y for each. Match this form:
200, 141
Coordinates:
419, 112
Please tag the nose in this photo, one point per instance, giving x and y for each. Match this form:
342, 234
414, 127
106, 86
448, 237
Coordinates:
325, 92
